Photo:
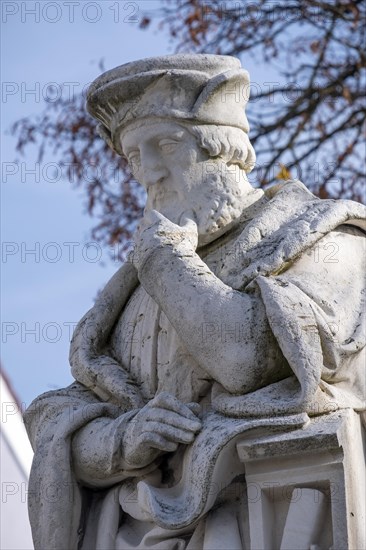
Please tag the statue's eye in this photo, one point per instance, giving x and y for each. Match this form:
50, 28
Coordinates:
168, 145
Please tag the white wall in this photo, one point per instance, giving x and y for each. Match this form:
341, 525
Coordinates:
16, 457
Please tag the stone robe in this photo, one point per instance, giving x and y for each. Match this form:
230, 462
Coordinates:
301, 259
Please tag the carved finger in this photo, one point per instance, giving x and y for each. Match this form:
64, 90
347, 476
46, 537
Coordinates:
167, 401
156, 441
195, 408
187, 221
173, 419
170, 432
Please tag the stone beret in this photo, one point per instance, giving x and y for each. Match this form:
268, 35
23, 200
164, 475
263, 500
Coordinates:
196, 88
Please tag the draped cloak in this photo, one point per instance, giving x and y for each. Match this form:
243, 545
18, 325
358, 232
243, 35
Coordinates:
318, 334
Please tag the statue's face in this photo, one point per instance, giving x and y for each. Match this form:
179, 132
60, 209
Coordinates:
181, 179
165, 159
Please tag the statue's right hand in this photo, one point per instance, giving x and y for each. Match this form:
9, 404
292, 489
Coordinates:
158, 427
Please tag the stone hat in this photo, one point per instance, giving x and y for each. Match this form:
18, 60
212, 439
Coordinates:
199, 88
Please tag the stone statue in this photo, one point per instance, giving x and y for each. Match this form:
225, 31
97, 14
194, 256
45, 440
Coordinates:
238, 314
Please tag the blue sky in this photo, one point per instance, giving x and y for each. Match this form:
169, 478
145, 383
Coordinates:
45, 292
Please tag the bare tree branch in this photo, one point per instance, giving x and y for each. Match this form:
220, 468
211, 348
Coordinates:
312, 122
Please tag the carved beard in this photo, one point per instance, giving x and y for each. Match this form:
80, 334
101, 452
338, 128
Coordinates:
220, 205
214, 203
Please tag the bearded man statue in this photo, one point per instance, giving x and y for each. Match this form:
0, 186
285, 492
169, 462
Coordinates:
238, 312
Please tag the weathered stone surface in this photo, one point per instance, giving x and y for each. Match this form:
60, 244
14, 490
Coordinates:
307, 486
207, 360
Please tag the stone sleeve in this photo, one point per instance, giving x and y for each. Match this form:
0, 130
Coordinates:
97, 452
226, 330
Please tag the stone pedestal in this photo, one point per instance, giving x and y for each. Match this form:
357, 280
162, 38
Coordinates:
306, 488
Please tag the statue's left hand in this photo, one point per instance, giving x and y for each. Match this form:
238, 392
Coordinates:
156, 231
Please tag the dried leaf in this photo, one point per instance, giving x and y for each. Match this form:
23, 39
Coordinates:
284, 173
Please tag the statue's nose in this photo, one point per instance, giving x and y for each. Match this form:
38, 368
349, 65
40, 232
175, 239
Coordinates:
154, 169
